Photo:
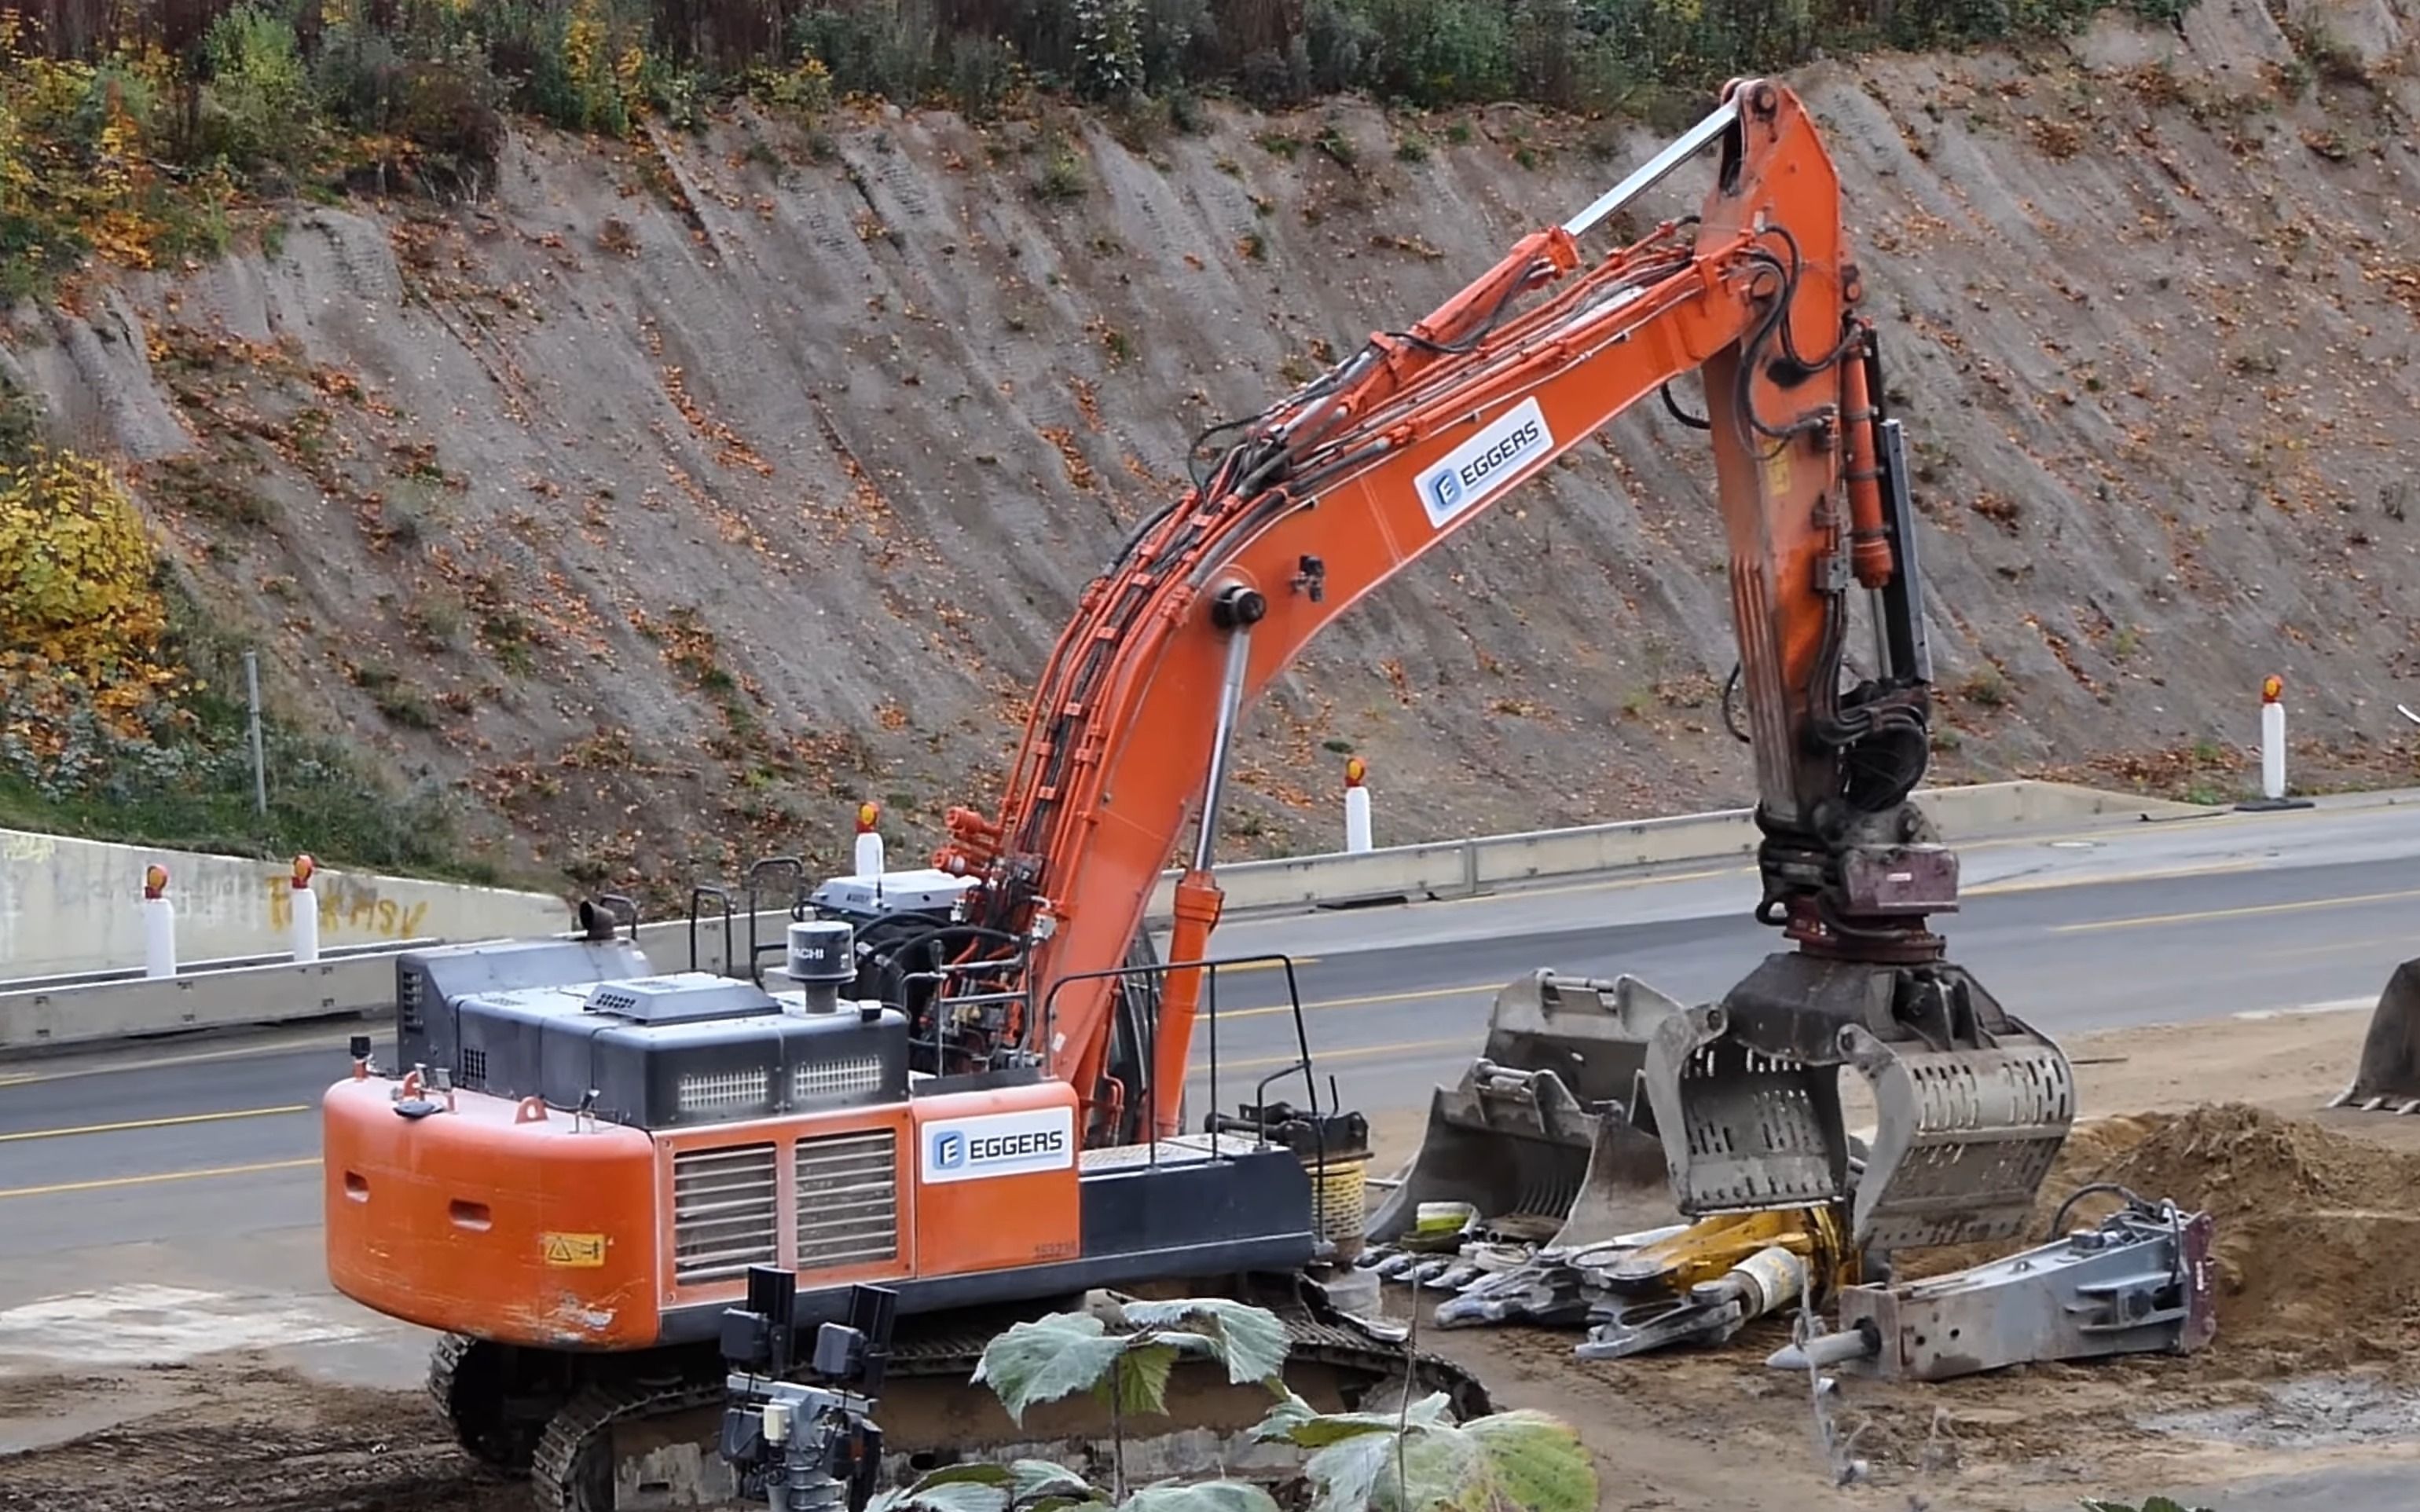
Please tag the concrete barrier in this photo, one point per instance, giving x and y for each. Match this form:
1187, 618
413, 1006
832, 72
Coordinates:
1458, 869
108, 1007
73, 905
62, 1012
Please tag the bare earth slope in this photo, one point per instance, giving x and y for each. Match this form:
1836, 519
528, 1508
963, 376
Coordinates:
670, 522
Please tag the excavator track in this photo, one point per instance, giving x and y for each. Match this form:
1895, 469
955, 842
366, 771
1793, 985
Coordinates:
573, 1469
467, 1379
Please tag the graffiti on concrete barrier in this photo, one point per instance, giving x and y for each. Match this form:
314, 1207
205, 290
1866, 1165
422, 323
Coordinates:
346, 905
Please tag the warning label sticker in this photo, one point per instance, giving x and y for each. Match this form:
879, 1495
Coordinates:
575, 1251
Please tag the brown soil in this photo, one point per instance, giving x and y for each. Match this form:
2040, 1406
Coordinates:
248, 1439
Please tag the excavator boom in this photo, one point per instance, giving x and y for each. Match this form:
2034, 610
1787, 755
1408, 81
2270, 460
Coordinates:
1335, 489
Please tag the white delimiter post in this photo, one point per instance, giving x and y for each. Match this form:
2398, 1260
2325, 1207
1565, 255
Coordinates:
304, 927
158, 924
2273, 739
1356, 806
869, 842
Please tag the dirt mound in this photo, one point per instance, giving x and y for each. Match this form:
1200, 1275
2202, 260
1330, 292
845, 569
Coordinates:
2317, 1238
2318, 1234
2232, 1158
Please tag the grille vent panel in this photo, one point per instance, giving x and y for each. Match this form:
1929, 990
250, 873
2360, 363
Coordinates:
848, 1199
725, 1212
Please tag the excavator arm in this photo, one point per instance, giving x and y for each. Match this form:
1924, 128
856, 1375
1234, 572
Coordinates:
1333, 491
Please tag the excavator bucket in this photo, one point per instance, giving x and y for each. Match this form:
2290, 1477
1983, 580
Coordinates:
2388, 1076
1539, 1136
1971, 1104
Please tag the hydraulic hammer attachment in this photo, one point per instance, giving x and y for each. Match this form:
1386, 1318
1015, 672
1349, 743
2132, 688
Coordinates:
2389, 1072
1540, 1134
1971, 1104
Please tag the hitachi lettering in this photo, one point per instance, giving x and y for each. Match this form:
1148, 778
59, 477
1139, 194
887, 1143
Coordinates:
1485, 464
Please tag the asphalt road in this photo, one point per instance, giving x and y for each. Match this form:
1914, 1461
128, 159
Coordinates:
201, 1160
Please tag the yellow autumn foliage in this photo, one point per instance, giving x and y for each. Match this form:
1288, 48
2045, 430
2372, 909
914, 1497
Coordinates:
80, 617
78, 141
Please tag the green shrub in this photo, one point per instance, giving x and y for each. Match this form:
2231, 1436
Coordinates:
1352, 1462
258, 106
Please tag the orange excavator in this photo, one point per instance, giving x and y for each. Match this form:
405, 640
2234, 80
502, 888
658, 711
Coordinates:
970, 1088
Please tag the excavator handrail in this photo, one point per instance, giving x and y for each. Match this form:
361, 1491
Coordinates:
1208, 969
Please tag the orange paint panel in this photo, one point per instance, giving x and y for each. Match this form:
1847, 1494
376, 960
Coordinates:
996, 1178
477, 1222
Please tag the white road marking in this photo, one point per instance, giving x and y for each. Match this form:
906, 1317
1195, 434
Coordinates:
2333, 1004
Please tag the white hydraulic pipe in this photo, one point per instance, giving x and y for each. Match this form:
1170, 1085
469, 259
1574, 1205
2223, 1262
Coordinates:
1356, 806
2272, 739
158, 924
303, 929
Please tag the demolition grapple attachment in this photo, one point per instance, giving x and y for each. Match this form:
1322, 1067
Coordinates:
1971, 1104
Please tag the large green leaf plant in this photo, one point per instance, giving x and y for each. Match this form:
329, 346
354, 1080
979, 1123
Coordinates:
1416, 1460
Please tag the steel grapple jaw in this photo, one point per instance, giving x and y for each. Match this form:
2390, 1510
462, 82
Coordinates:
1971, 1105
1539, 1134
2388, 1076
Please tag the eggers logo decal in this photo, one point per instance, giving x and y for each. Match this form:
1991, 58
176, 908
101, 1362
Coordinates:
999, 1144
1485, 463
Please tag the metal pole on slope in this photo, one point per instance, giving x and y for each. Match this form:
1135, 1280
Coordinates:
259, 764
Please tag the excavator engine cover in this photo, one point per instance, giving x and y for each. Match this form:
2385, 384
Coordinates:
2389, 1072
1971, 1104
1539, 1136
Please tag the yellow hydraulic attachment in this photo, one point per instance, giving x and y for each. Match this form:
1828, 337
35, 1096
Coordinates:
1702, 1284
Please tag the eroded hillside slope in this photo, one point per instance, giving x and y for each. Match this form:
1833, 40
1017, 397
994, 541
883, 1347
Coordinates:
669, 513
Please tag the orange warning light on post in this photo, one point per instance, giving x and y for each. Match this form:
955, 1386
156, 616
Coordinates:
155, 881
868, 816
2273, 687
303, 866
1354, 770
